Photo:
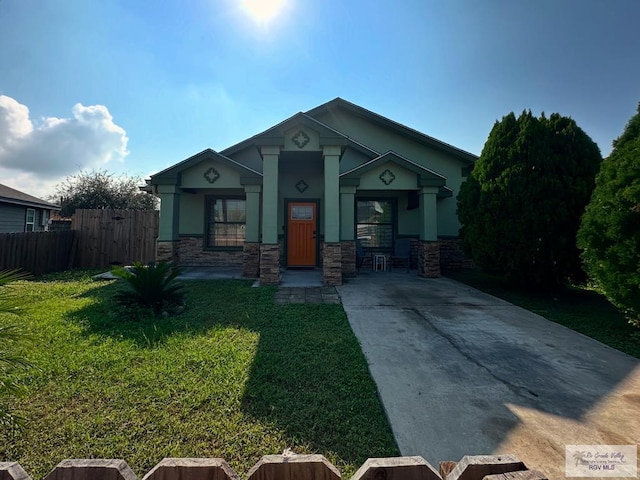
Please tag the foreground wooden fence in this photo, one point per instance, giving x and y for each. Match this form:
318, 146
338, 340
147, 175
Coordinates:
114, 237
289, 467
37, 252
98, 239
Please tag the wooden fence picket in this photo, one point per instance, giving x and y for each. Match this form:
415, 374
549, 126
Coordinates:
288, 467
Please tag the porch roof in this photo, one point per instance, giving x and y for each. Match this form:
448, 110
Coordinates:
172, 175
426, 176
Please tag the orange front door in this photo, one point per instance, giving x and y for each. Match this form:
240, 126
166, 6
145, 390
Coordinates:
301, 234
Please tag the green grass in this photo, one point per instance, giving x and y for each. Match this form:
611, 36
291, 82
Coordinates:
235, 376
579, 308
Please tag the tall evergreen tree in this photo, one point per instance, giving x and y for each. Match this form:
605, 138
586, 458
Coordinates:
520, 209
610, 231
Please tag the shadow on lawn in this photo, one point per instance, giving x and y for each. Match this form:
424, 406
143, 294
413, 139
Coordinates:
105, 317
311, 378
308, 377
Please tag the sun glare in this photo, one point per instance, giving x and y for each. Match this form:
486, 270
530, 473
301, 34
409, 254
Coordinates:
263, 11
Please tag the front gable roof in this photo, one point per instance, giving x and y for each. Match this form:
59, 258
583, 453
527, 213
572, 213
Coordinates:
16, 197
172, 175
276, 135
426, 177
341, 104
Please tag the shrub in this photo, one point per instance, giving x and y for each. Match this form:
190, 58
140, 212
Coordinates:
521, 206
610, 230
153, 286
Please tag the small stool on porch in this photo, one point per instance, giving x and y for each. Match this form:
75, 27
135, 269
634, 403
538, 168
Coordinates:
379, 262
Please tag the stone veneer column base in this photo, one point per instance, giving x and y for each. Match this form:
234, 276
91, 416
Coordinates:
429, 259
251, 262
167, 251
269, 264
332, 264
348, 258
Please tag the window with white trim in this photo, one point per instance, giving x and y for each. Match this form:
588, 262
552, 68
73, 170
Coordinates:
30, 220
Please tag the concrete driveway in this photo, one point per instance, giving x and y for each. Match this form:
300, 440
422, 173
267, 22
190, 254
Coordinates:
463, 373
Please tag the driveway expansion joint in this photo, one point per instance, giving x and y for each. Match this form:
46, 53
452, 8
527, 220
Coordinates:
518, 390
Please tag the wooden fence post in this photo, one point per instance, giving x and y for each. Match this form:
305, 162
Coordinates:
396, 468
293, 467
522, 475
192, 469
12, 471
94, 469
476, 467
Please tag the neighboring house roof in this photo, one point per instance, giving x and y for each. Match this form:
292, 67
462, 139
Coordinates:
339, 103
16, 197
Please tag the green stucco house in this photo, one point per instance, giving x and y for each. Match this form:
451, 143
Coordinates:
302, 193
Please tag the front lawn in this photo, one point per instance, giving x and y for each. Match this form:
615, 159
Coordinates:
235, 376
581, 309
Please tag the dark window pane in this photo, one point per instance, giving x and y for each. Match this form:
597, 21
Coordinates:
375, 211
235, 211
228, 235
226, 224
374, 226
375, 236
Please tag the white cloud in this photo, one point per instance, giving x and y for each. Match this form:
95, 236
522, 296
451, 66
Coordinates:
45, 153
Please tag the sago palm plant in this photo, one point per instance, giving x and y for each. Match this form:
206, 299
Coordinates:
153, 285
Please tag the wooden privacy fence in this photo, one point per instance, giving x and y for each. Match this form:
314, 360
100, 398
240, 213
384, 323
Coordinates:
289, 467
115, 237
37, 252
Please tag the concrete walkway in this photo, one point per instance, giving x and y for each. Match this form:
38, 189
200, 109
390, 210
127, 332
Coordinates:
296, 285
463, 373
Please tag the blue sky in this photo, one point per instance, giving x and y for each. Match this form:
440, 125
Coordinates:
135, 86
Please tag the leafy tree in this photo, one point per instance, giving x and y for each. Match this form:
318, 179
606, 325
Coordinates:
98, 189
610, 230
521, 206
9, 359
